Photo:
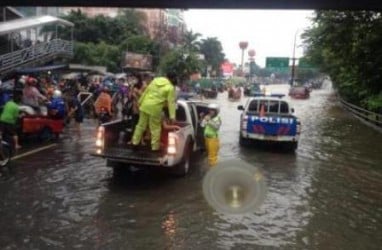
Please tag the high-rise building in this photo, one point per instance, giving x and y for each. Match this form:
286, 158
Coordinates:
175, 25
92, 11
156, 21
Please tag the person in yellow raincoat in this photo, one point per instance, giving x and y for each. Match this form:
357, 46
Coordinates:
160, 92
211, 123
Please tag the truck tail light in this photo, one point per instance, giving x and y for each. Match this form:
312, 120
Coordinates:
171, 148
100, 137
244, 122
298, 127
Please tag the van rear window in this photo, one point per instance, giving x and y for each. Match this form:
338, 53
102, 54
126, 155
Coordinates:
270, 106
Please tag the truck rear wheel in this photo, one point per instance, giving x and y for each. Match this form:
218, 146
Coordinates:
243, 141
183, 167
291, 146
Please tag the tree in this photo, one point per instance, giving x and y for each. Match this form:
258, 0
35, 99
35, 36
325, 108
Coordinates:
133, 22
346, 45
180, 63
212, 50
97, 54
190, 41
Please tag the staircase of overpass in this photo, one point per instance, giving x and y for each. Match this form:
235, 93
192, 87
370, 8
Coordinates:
18, 51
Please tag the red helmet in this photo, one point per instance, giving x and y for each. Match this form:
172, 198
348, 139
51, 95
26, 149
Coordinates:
31, 81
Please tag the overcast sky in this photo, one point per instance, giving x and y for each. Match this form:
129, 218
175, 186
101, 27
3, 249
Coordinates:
268, 32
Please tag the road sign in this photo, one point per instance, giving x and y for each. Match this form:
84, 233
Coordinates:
277, 63
304, 63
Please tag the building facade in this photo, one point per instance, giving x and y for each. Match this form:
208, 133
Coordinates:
92, 11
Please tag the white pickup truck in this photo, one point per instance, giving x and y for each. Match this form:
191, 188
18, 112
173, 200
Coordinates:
176, 150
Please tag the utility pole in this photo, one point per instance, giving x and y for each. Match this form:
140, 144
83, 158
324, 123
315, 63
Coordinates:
293, 59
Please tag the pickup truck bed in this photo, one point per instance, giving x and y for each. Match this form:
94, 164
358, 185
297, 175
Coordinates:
176, 146
116, 148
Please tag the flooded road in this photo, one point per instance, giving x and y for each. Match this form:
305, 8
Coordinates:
328, 195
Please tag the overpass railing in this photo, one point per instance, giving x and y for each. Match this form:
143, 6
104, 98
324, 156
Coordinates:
36, 52
369, 118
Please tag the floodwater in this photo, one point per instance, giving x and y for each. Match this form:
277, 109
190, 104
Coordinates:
326, 195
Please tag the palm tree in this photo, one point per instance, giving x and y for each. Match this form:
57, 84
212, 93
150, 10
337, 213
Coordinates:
190, 41
212, 50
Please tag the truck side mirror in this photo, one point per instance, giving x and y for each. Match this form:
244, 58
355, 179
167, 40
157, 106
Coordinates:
240, 107
292, 110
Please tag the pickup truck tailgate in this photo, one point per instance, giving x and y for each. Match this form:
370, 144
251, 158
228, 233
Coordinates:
128, 155
272, 125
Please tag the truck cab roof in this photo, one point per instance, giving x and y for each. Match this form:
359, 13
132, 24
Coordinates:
275, 105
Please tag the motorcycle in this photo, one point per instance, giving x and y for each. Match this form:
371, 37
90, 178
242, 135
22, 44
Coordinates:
103, 116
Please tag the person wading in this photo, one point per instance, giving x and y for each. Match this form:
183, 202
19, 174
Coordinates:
159, 92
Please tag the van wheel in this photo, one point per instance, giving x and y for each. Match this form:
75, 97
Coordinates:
183, 167
46, 134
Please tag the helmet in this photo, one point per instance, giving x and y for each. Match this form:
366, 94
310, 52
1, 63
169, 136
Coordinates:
31, 81
23, 79
50, 91
214, 106
57, 93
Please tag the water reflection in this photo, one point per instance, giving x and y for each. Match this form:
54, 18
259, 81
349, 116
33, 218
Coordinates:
326, 195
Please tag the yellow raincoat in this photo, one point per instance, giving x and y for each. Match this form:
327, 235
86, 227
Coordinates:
159, 92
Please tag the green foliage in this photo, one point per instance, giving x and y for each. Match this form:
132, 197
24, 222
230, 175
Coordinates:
190, 41
97, 54
102, 41
374, 103
212, 50
179, 62
347, 46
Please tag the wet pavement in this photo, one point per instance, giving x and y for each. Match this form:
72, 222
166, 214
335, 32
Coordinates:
326, 195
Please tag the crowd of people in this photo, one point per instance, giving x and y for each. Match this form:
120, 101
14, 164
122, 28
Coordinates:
149, 102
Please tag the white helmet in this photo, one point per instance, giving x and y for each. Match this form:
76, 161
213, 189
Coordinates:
214, 106
57, 93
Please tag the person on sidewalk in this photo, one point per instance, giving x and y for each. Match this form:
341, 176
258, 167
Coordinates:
211, 124
159, 92
76, 110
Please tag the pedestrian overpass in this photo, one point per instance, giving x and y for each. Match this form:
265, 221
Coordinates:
22, 43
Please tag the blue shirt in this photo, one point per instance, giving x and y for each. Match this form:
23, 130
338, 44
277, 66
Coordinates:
57, 103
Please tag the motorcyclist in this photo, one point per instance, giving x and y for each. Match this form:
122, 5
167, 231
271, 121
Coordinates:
56, 107
31, 95
103, 102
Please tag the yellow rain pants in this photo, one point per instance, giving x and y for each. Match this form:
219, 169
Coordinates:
212, 147
155, 125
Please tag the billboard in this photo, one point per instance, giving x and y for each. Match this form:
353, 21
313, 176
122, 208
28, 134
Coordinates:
227, 68
137, 61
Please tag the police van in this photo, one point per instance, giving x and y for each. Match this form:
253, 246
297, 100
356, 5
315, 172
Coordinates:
269, 118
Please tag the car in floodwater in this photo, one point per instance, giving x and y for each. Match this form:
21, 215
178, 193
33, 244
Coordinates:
299, 92
252, 90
